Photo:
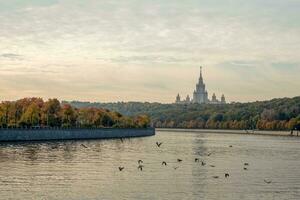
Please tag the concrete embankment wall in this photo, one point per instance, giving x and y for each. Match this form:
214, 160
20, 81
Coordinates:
241, 132
7, 135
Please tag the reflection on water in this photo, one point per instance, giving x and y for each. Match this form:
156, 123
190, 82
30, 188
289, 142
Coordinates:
68, 170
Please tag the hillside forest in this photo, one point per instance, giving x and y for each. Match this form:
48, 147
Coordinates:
275, 114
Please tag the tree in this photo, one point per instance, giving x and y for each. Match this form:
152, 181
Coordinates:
32, 116
107, 121
268, 114
68, 116
143, 121
292, 123
28, 112
51, 113
4, 111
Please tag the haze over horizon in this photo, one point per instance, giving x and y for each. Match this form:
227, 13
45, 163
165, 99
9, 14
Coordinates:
148, 50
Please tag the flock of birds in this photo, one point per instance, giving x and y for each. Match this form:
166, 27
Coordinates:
197, 160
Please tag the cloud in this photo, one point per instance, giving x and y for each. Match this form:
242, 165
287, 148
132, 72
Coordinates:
11, 56
148, 59
286, 66
140, 49
20, 4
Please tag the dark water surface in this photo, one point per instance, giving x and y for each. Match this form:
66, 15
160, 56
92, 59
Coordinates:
69, 170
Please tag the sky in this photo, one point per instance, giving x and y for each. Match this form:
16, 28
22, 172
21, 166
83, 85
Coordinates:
149, 50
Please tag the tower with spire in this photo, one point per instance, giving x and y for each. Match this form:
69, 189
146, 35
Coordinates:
223, 101
200, 95
178, 98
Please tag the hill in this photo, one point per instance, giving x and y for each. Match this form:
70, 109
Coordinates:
275, 114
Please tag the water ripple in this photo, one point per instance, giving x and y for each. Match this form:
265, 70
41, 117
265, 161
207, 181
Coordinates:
69, 170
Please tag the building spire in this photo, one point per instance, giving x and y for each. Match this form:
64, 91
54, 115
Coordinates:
200, 71
201, 78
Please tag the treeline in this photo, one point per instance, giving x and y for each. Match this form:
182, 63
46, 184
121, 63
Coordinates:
276, 114
35, 112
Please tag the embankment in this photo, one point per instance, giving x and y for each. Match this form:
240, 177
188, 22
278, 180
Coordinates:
10, 135
242, 132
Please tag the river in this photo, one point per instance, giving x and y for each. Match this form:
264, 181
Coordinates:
86, 170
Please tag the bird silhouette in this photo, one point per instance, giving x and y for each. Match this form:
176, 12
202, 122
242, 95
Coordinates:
246, 164
245, 168
230, 146
216, 177
212, 166
140, 167
121, 169
175, 168
158, 144
84, 146
196, 159
266, 181
179, 160
208, 154
226, 175
203, 163
121, 140
164, 163
140, 161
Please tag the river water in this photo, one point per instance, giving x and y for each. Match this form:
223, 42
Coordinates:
90, 169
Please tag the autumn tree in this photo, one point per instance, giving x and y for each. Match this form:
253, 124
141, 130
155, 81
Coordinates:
107, 121
32, 116
68, 116
30, 112
142, 121
51, 113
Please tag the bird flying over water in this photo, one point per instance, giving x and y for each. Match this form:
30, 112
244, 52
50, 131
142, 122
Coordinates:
140, 167
164, 163
158, 144
121, 169
140, 161
203, 163
196, 159
179, 160
84, 146
226, 175
268, 182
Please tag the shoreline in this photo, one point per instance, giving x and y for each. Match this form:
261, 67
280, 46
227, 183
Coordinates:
16, 135
239, 132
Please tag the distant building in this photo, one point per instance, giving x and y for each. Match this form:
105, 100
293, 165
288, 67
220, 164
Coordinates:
214, 99
200, 95
223, 100
187, 100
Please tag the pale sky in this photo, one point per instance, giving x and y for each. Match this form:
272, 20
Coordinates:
149, 50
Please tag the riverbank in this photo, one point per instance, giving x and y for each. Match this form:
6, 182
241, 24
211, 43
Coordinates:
12, 135
240, 132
